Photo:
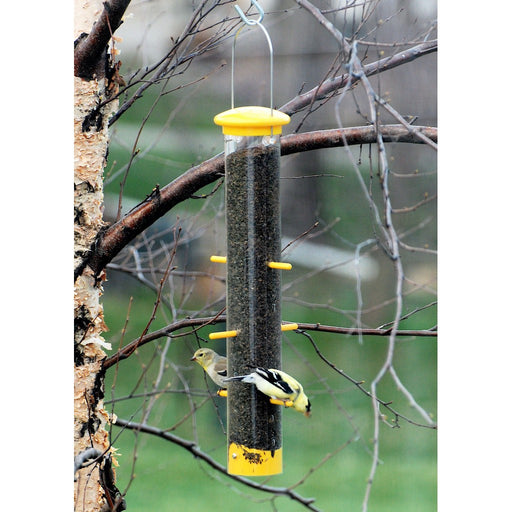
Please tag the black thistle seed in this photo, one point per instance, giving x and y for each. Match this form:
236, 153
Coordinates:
253, 290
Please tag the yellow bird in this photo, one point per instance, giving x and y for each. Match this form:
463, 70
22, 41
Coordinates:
213, 364
277, 385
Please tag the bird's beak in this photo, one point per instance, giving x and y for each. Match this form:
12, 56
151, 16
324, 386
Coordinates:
193, 358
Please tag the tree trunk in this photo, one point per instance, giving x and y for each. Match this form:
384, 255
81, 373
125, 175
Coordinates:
91, 143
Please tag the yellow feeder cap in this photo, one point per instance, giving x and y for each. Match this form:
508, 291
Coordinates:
251, 121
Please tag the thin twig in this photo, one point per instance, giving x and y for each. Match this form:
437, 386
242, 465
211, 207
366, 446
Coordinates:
130, 348
300, 236
359, 385
357, 73
414, 207
320, 92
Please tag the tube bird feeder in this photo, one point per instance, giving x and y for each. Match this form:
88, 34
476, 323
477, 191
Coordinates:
253, 289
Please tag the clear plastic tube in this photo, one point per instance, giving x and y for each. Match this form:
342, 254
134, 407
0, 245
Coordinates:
253, 289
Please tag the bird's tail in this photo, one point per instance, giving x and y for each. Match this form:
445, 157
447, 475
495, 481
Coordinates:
238, 377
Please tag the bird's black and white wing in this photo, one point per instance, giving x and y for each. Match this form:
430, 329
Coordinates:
275, 378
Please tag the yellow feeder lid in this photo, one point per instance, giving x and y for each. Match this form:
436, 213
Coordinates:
251, 121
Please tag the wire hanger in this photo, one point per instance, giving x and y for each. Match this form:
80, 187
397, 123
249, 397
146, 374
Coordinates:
250, 22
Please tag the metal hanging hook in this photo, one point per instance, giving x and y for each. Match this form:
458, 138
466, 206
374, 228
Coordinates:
247, 20
257, 22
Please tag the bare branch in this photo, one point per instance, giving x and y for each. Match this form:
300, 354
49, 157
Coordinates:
359, 385
365, 332
408, 209
319, 16
320, 92
300, 142
179, 55
122, 232
90, 50
165, 331
133, 346
356, 73
194, 449
198, 323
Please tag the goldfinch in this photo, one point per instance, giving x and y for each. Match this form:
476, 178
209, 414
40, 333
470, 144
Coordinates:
278, 385
213, 364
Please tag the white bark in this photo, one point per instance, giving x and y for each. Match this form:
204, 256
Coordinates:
89, 161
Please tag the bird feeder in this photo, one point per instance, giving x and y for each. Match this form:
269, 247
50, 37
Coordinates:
253, 289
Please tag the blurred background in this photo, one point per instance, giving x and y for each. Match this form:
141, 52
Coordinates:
341, 276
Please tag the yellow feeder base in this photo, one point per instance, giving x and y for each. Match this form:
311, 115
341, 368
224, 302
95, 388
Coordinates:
245, 461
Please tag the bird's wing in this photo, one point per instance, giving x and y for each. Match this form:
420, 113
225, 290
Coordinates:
222, 372
218, 371
274, 377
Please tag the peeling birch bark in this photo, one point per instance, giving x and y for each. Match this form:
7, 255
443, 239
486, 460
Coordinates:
91, 140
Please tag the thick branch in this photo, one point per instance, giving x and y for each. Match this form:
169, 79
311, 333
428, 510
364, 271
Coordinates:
196, 452
197, 323
117, 236
90, 50
320, 139
331, 86
155, 206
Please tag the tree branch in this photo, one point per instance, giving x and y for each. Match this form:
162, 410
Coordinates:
320, 92
90, 49
322, 139
117, 236
198, 323
371, 395
196, 451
